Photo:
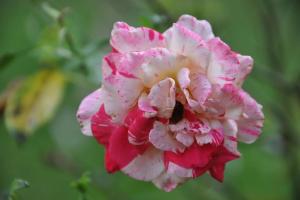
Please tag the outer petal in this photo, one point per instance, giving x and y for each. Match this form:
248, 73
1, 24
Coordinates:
161, 138
201, 27
119, 77
168, 182
146, 167
193, 157
88, 107
251, 122
179, 171
102, 126
125, 38
246, 64
182, 41
120, 151
221, 157
225, 102
224, 63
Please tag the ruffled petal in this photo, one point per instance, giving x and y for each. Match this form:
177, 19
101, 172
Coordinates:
162, 97
119, 74
193, 157
147, 166
159, 64
246, 64
87, 108
251, 122
200, 87
183, 41
125, 38
224, 64
201, 27
139, 127
162, 139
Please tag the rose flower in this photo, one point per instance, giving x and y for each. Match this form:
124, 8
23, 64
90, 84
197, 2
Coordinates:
171, 106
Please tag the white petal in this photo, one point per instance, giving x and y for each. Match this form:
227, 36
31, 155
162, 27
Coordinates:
201, 27
179, 171
168, 182
230, 132
88, 107
162, 97
147, 166
182, 41
125, 38
162, 139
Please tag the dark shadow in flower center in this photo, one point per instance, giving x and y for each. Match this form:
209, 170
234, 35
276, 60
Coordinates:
177, 114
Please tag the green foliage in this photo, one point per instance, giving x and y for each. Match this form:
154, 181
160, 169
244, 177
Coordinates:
17, 184
82, 184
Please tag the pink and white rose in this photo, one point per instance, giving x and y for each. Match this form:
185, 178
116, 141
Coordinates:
171, 106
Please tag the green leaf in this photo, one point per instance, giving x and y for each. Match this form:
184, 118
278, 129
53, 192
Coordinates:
34, 102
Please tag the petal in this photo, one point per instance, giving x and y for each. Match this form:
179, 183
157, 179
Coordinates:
201, 27
217, 172
102, 126
230, 132
159, 64
214, 137
246, 64
200, 87
179, 171
125, 38
183, 78
168, 182
221, 157
230, 100
145, 106
162, 139
120, 78
223, 65
139, 127
186, 139
195, 87
145, 167
251, 122
113, 106
87, 108
120, 151
193, 157
162, 97
183, 41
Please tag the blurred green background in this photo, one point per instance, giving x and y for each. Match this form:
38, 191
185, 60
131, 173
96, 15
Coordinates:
34, 37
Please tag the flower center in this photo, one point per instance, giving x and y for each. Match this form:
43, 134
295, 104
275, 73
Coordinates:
177, 114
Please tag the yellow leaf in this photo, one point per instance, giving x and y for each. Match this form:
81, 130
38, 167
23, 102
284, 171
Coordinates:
34, 102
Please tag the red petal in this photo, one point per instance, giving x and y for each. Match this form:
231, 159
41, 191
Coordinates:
110, 165
101, 126
217, 172
139, 128
193, 157
120, 151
